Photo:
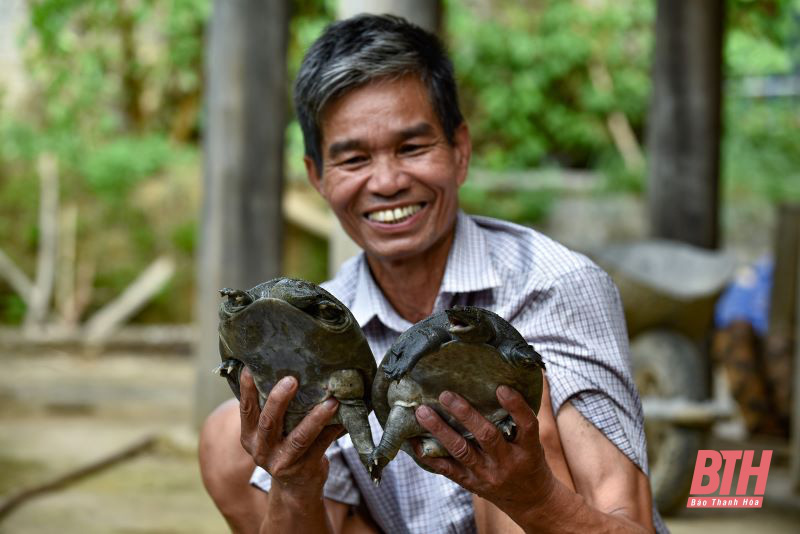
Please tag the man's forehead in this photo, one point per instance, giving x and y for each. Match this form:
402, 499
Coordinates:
398, 106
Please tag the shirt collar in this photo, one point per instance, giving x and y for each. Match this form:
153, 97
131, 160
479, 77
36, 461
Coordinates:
469, 264
469, 268
369, 301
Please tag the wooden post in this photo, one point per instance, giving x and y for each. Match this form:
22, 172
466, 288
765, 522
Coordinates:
242, 222
780, 341
684, 121
795, 436
424, 13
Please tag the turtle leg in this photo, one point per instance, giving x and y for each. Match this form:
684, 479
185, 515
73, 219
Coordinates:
347, 386
400, 425
354, 415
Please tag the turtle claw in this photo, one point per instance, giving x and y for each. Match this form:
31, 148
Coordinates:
508, 428
373, 468
225, 368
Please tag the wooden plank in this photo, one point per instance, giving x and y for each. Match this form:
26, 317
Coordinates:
684, 412
15, 277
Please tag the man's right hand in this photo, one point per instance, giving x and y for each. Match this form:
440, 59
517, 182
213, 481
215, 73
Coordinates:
297, 461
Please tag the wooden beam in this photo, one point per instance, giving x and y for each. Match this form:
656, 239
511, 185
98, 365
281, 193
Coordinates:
47, 254
137, 294
15, 277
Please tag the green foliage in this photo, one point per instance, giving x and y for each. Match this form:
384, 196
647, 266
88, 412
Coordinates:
309, 18
528, 74
763, 37
12, 309
524, 207
117, 96
184, 237
116, 93
116, 167
761, 151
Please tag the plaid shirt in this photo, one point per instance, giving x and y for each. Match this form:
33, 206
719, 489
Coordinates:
562, 304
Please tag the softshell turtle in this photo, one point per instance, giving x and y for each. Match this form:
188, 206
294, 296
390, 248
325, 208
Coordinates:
467, 350
292, 327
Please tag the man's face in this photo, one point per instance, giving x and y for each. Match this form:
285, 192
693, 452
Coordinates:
389, 173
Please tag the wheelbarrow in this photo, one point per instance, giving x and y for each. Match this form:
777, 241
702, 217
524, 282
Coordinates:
668, 292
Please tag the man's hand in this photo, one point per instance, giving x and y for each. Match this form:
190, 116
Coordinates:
538, 495
296, 462
512, 475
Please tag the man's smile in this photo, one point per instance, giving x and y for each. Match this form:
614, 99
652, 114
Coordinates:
395, 215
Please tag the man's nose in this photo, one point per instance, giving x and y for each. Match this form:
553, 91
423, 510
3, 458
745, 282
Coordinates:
387, 178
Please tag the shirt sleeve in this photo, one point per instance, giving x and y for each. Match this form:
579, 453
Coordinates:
578, 327
339, 486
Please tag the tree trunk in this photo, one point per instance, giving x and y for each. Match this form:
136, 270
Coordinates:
684, 122
242, 221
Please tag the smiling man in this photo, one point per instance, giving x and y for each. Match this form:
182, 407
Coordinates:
387, 148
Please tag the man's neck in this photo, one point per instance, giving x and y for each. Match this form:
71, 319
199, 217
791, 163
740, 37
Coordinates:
412, 284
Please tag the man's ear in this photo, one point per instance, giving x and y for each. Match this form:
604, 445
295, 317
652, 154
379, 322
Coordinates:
462, 142
314, 178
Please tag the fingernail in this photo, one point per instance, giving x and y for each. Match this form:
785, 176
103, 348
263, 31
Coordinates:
330, 404
447, 398
504, 392
423, 412
286, 383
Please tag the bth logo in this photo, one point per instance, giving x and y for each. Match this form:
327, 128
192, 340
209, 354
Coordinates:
708, 467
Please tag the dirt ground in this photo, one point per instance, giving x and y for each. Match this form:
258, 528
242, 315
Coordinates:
59, 411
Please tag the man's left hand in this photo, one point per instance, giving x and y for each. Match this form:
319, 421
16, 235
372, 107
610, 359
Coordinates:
512, 475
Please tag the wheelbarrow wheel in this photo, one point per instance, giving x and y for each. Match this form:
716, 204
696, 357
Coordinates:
666, 364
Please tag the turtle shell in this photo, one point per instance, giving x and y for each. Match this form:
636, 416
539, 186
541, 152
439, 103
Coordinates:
466, 350
472, 370
292, 327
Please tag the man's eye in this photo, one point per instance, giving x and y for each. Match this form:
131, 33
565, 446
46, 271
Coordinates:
352, 161
410, 149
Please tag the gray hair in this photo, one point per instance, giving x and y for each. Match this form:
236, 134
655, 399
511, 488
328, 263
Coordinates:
363, 49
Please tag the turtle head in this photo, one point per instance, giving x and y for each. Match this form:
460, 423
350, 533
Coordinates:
235, 300
314, 301
470, 324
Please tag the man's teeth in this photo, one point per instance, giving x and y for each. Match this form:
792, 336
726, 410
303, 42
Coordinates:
396, 215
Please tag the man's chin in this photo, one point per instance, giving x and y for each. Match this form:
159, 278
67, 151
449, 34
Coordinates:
391, 254
395, 250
